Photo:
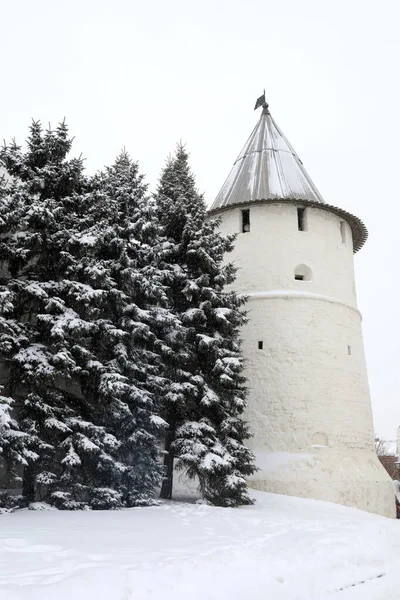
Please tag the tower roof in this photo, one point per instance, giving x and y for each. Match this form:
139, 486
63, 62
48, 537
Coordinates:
269, 170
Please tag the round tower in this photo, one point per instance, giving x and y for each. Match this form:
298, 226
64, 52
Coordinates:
309, 405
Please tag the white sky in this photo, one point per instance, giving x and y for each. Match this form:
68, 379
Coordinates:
146, 74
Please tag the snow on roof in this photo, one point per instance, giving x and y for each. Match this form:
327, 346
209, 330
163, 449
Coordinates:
269, 170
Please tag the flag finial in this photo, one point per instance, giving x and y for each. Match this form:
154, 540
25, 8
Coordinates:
262, 102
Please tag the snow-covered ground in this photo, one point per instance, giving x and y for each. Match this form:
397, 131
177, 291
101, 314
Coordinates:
281, 548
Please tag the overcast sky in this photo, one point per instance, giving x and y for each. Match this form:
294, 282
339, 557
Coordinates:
145, 75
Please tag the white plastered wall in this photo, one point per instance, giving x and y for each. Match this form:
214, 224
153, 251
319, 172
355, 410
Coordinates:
309, 404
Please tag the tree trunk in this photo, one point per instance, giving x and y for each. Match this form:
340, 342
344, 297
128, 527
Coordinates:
28, 484
166, 488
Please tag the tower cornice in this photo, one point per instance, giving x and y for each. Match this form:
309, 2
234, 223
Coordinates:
358, 228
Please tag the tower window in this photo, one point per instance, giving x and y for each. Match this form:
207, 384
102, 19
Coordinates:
260, 345
349, 350
302, 273
245, 220
301, 219
343, 231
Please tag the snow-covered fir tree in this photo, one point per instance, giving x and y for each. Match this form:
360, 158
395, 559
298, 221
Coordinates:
74, 343
121, 293
14, 446
32, 235
206, 397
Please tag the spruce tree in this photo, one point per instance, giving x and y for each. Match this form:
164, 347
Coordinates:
32, 235
73, 344
120, 292
204, 402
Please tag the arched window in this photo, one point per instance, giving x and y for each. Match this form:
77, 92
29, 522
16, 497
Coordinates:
303, 273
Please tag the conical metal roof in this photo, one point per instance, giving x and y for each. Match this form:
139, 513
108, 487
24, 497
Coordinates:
269, 170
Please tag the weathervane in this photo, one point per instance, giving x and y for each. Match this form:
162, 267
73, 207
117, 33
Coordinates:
262, 102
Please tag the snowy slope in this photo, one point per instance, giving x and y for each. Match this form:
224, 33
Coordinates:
281, 548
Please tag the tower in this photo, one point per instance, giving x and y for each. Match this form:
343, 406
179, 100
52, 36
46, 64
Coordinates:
309, 405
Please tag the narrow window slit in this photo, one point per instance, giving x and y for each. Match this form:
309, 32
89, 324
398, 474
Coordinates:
245, 220
349, 350
301, 219
260, 345
343, 231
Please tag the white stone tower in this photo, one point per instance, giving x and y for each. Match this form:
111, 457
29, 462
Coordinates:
309, 404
